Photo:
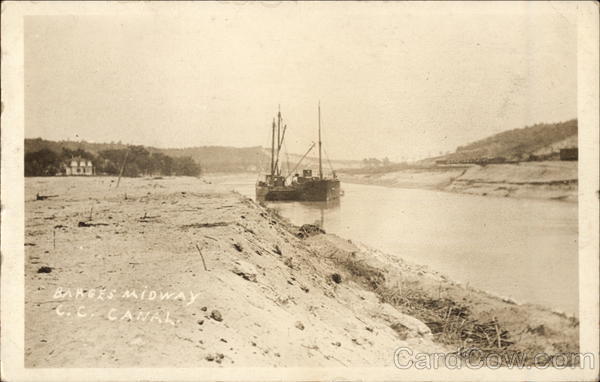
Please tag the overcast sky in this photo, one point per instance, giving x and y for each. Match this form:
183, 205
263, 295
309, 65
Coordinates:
402, 80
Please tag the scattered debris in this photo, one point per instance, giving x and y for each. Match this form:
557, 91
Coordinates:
299, 325
337, 343
246, 229
202, 257
200, 322
44, 269
336, 278
205, 225
216, 315
238, 247
217, 357
288, 262
368, 275
204, 309
245, 270
44, 197
146, 218
540, 330
308, 230
277, 250
85, 224
447, 321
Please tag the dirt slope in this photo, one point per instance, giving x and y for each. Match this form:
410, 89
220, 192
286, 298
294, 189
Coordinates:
274, 301
114, 278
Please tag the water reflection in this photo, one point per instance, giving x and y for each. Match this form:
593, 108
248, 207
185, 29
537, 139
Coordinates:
323, 214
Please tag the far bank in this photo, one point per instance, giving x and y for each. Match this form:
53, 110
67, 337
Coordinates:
549, 180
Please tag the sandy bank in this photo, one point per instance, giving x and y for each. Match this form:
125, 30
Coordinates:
174, 272
552, 180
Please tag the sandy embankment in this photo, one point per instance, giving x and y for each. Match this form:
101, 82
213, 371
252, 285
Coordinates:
127, 287
531, 180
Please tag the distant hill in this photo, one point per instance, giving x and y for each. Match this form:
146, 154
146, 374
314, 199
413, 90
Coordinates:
544, 139
210, 158
224, 159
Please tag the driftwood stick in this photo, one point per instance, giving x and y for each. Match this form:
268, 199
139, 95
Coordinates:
54, 238
123, 168
498, 333
49, 301
201, 256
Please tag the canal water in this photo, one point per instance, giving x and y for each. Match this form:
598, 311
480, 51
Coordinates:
523, 249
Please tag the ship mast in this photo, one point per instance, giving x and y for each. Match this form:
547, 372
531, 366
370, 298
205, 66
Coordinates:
320, 162
278, 139
273, 148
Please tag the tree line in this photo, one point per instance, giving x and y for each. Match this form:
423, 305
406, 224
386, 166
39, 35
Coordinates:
374, 162
140, 161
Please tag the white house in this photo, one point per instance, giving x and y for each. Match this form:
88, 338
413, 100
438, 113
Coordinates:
79, 166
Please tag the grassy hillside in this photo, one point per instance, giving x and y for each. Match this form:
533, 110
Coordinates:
37, 144
519, 144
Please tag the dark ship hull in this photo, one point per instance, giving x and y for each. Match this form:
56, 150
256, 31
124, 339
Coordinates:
319, 190
313, 190
274, 193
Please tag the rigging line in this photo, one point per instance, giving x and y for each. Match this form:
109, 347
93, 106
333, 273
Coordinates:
287, 157
330, 165
280, 144
301, 159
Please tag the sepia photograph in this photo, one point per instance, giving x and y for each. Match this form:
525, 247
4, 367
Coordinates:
300, 190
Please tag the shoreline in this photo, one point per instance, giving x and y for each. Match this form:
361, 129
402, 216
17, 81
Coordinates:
275, 293
551, 180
